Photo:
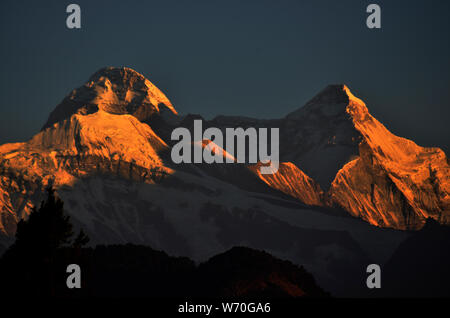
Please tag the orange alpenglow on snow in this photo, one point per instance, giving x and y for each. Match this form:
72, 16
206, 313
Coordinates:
116, 91
393, 182
333, 154
94, 130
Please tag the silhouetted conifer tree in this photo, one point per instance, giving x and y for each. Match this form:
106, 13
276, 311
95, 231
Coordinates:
30, 261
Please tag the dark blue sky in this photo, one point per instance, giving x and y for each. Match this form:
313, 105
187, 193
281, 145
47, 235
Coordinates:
254, 58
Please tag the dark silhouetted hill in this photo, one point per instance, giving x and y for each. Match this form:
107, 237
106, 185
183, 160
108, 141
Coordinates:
245, 272
139, 271
420, 266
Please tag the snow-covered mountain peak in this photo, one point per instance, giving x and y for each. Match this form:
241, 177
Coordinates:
332, 101
115, 91
332, 94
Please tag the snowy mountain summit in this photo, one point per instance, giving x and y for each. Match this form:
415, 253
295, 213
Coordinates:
116, 91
